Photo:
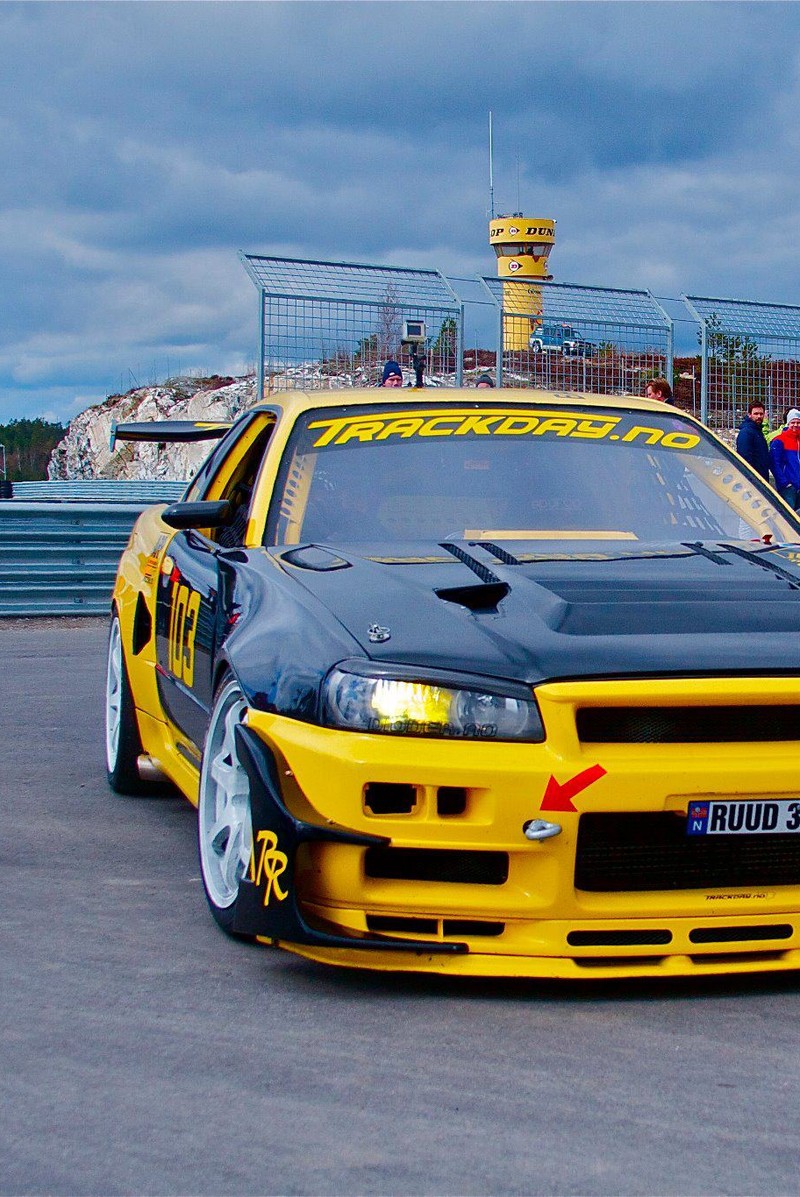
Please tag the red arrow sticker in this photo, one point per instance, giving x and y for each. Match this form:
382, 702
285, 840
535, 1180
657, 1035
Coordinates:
559, 796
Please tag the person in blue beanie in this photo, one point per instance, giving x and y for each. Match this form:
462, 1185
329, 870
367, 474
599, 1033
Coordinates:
392, 375
784, 460
751, 444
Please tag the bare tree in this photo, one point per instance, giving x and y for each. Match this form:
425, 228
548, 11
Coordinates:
389, 325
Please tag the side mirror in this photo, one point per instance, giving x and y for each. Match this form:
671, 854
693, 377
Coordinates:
217, 514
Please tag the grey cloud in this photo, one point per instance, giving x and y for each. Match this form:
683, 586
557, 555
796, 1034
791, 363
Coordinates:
157, 139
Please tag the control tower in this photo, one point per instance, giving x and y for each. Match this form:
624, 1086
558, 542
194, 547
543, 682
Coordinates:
522, 244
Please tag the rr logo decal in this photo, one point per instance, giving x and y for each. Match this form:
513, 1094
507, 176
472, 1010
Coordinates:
183, 613
559, 795
270, 865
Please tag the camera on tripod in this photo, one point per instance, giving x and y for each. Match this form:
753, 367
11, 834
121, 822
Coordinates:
415, 337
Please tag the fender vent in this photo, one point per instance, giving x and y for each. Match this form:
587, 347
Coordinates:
142, 625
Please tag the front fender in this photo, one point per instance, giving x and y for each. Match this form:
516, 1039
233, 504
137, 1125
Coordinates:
268, 903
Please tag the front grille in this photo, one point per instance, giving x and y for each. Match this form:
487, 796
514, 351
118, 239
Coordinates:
406, 926
437, 864
451, 800
687, 725
388, 798
473, 927
627, 962
624, 852
736, 958
740, 934
450, 928
617, 939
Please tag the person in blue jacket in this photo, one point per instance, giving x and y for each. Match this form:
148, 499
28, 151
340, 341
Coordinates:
751, 444
784, 460
392, 375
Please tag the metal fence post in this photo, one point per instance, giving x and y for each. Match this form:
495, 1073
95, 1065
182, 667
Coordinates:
262, 330
703, 373
498, 359
460, 350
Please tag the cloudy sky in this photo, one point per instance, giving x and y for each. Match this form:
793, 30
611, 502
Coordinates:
144, 144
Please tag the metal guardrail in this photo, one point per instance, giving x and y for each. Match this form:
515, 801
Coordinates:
100, 490
60, 558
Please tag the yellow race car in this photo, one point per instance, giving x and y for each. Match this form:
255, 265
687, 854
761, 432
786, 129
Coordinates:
491, 683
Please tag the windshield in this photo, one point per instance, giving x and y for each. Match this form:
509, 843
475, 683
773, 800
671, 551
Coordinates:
422, 472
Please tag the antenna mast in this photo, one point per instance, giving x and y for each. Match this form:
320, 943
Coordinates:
491, 169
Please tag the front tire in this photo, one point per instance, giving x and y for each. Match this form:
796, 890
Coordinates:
224, 821
123, 745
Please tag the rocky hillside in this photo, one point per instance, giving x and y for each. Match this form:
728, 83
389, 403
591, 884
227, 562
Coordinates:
85, 451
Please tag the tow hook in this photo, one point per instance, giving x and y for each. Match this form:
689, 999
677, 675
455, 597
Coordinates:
540, 829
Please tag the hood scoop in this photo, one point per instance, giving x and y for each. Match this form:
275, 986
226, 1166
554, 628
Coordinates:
482, 599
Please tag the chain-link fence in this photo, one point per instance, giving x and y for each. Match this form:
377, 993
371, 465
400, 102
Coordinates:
749, 353
327, 325
571, 338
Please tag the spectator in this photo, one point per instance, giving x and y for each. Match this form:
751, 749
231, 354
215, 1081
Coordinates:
484, 380
392, 375
784, 459
778, 431
750, 441
659, 388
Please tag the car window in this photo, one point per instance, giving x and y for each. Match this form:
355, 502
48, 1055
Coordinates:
231, 470
421, 472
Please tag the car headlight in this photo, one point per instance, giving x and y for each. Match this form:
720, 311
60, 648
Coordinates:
410, 706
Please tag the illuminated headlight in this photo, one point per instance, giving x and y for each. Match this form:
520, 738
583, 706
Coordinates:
408, 707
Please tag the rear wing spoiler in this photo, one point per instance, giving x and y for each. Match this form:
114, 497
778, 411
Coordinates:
170, 430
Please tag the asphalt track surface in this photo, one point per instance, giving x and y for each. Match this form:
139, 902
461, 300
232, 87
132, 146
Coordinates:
144, 1052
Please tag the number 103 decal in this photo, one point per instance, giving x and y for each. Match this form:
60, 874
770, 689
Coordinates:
183, 613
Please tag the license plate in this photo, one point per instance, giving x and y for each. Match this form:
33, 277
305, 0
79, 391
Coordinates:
761, 817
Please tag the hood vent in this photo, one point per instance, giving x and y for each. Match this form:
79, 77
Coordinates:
310, 556
481, 599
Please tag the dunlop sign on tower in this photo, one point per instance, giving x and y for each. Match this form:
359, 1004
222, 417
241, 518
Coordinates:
522, 245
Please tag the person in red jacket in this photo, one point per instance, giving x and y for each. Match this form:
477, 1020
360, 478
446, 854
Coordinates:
784, 460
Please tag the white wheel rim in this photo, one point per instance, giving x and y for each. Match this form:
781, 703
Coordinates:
113, 695
225, 825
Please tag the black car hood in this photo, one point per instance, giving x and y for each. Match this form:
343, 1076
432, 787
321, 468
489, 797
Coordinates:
534, 613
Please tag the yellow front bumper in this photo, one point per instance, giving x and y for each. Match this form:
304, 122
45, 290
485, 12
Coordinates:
514, 901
